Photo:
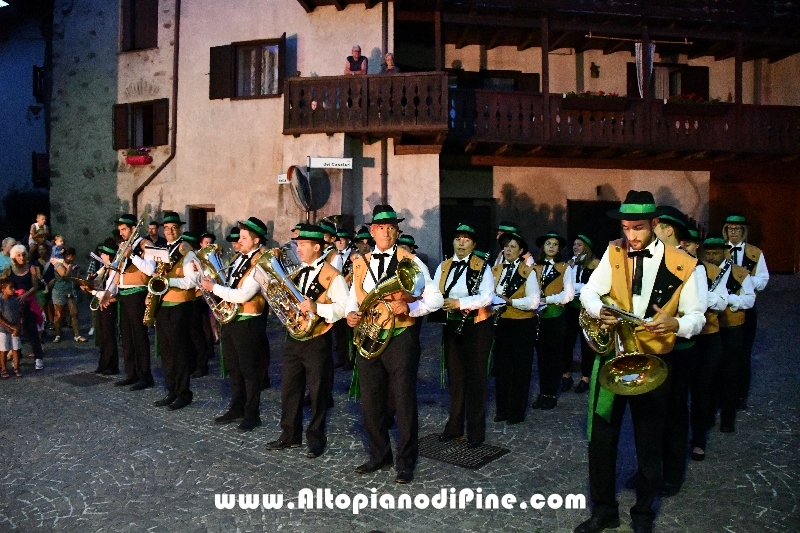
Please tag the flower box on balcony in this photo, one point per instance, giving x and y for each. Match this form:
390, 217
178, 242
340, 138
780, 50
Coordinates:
138, 159
696, 109
595, 104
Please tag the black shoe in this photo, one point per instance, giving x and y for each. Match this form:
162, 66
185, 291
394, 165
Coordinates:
166, 400
537, 403
567, 383
143, 384
314, 451
265, 386
97, 371
347, 366
179, 403
124, 382
632, 482
329, 403
446, 438
472, 444
200, 373
500, 418
741, 404
227, 418
110, 372
669, 489
549, 402
727, 427
249, 425
370, 467
514, 422
642, 528
582, 387
596, 524
280, 445
404, 476
307, 400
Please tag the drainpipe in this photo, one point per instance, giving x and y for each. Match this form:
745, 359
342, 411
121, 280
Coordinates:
173, 141
384, 140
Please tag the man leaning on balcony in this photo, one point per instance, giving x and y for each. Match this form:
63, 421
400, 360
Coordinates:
356, 64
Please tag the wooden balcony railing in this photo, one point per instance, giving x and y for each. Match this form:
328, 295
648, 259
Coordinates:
420, 104
375, 104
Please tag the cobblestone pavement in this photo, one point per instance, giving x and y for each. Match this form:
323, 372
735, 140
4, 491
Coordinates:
97, 458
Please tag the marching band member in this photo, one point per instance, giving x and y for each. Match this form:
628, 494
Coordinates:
399, 362
310, 360
655, 282
243, 338
466, 283
741, 296
107, 314
330, 252
363, 241
134, 274
752, 258
341, 332
583, 264
173, 319
515, 335
555, 283
233, 238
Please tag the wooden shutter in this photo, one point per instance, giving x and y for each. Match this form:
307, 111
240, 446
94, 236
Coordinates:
121, 128
282, 62
146, 29
127, 25
220, 78
161, 122
695, 80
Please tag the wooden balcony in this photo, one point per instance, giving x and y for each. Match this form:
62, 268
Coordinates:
419, 109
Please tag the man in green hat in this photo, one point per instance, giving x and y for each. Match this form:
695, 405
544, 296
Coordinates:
752, 258
657, 283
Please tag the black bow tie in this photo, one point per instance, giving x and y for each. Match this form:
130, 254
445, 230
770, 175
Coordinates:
737, 248
381, 266
640, 253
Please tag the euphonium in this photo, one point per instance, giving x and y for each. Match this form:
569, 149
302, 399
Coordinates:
631, 371
159, 285
210, 260
283, 296
367, 333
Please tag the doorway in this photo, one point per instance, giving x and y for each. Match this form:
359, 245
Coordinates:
589, 218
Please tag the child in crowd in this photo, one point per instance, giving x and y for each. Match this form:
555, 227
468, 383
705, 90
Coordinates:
40, 232
58, 246
10, 321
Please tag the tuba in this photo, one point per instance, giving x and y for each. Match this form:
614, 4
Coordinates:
631, 371
212, 267
283, 296
158, 285
367, 333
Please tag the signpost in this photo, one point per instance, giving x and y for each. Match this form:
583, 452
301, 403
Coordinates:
345, 163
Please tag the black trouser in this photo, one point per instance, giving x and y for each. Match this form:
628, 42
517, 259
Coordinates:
467, 356
202, 344
341, 334
676, 428
728, 385
513, 363
572, 330
550, 353
177, 356
241, 343
398, 366
305, 362
748, 338
135, 342
704, 368
648, 412
107, 339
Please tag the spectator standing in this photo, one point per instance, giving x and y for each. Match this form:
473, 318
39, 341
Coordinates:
154, 236
5, 260
64, 294
390, 67
9, 327
356, 64
25, 278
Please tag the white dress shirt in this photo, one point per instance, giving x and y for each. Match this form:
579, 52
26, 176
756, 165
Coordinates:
109, 286
716, 300
147, 267
244, 293
689, 303
568, 293
761, 275
337, 292
431, 297
746, 297
467, 301
530, 302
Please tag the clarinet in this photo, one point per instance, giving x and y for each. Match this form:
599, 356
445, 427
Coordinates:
721, 274
460, 327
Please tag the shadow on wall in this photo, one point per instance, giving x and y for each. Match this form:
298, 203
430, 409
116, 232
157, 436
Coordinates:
533, 220
375, 61
664, 196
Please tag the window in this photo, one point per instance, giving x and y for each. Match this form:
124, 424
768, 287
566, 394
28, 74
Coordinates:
199, 216
38, 84
141, 124
247, 70
671, 79
139, 24
40, 170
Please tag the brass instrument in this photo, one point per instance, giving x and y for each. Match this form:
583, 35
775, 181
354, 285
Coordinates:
212, 267
159, 285
283, 296
366, 334
95, 304
631, 371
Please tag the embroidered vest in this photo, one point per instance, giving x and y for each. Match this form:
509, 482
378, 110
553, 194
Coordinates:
712, 317
175, 294
676, 267
256, 304
728, 318
523, 271
751, 256
360, 272
131, 276
552, 284
476, 266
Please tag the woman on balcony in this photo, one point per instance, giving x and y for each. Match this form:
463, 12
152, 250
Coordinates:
390, 67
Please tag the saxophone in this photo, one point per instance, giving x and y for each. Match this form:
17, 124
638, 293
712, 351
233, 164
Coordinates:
158, 285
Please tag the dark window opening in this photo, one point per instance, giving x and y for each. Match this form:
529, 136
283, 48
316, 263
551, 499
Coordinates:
141, 124
672, 79
38, 84
247, 70
139, 24
40, 170
198, 218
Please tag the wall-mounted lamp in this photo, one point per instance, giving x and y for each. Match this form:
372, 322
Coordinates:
594, 70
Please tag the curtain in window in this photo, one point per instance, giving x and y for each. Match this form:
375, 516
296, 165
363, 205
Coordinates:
639, 66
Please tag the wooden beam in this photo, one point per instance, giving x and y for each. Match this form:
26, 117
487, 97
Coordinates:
528, 42
369, 4
503, 149
308, 5
470, 147
635, 154
559, 41
417, 149
666, 155
412, 16
604, 153
535, 150
463, 39
437, 38
545, 28
618, 45
697, 155
340, 4
737, 76
495, 38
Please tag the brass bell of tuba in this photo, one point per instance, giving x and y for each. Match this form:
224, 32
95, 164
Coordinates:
212, 267
631, 371
283, 296
367, 335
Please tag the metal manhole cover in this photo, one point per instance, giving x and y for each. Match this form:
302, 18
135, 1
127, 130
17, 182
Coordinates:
84, 380
456, 452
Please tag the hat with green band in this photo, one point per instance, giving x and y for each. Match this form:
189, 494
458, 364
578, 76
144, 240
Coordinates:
327, 227
363, 233
562, 242
109, 247
465, 228
510, 235
233, 236
384, 214
171, 217
585, 239
190, 237
692, 235
715, 243
128, 219
408, 240
737, 219
343, 234
507, 227
638, 205
675, 218
482, 255
254, 225
310, 232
